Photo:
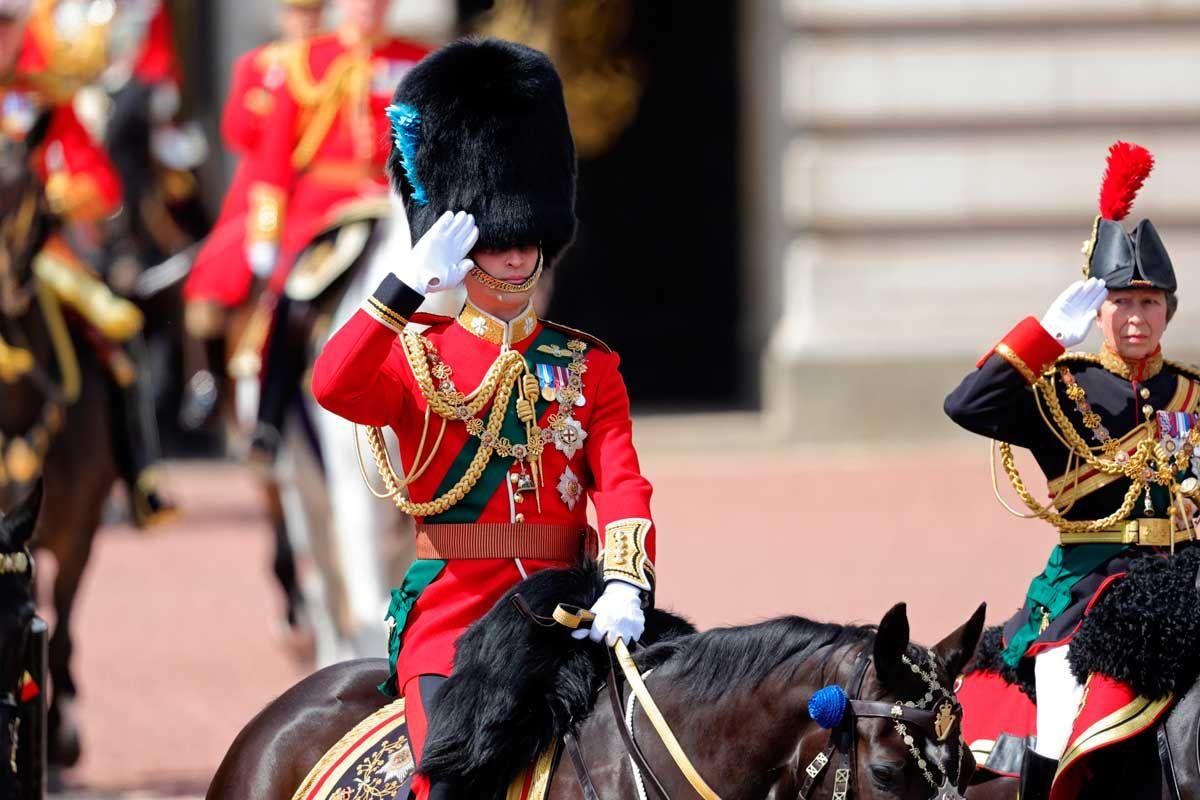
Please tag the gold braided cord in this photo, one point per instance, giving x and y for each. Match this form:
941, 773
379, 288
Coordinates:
499, 381
1039, 513
1051, 514
1136, 468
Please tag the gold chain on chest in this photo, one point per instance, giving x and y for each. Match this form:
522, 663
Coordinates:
1149, 463
508, 373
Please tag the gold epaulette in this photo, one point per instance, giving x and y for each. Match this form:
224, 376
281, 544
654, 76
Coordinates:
1068, 359
578, 334
1187, 370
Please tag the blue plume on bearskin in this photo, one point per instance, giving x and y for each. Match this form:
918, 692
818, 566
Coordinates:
406, 133
1145, 629
827, 706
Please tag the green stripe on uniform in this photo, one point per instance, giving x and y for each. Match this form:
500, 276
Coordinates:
470, 508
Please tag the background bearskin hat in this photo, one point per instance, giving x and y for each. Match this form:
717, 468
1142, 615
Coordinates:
481, 126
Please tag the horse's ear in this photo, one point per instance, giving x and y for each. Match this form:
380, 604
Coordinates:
891, 642
957, 649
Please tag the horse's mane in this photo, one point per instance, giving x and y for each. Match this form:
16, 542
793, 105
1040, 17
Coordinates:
709, 664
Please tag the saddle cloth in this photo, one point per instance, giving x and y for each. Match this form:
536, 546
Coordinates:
374, 762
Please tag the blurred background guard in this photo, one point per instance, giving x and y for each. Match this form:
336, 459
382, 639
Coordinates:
67, 47
1115, 434
306, 116
221, 278
321, 161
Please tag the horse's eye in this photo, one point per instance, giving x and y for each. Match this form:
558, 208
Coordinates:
885, 777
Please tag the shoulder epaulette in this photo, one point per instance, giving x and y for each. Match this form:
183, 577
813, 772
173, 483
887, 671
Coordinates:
1188, 370
1078, 359
569, 331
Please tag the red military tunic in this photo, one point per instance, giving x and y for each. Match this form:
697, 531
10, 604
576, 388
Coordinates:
221, 273
328, 140
80, 181
364, 375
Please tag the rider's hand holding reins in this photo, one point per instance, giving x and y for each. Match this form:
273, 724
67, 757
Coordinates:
618, 613
1071, 315
438, 261
262, 257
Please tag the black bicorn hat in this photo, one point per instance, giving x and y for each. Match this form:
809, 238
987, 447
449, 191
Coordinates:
481, 126
1127, 260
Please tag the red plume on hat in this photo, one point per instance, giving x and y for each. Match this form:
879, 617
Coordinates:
1128, 167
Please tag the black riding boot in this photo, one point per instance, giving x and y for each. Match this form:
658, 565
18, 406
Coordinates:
283, 366
135, 435
1037, 774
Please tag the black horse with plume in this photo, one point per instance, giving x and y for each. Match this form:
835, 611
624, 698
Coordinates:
740, 700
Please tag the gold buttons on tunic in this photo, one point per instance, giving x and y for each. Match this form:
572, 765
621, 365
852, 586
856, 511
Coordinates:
1145, 393
1148, 411
519, 518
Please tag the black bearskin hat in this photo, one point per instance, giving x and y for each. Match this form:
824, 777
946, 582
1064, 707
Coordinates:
1127, 260
481, 126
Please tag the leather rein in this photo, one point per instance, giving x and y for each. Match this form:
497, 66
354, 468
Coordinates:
621, 664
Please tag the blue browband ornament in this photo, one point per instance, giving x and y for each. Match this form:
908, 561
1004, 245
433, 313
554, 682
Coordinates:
406, 133
827, 706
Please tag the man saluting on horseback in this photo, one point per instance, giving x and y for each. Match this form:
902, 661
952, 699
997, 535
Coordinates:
1116, 435
506, 422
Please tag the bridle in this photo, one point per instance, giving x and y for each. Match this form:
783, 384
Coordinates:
19, 564
937, 715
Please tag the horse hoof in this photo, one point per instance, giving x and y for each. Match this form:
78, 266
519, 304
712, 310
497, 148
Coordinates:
62, 746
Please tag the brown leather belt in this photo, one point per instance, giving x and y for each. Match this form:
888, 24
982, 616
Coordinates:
500, 540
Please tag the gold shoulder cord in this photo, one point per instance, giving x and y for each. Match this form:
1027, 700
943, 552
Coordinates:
1149, 463
507, 372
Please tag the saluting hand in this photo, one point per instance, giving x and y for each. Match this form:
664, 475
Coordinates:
1071, 315
439, 260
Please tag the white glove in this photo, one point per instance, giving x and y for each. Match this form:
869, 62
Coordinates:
262, 257
1071, 315
618, 615
439, 260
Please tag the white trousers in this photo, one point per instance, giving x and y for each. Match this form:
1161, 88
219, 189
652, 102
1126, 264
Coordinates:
1059, 695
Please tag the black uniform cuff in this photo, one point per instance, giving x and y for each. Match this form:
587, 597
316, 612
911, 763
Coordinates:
393, 303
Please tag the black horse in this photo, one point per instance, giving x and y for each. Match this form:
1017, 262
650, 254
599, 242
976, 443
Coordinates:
22, 660
737, 698
59, 415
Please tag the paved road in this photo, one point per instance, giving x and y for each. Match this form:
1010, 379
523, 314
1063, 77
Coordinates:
177, 648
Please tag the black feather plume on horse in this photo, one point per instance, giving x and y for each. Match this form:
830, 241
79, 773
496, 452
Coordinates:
989, 658
516, 687
1145, 629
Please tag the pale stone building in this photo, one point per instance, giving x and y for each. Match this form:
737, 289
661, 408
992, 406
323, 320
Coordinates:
924, 172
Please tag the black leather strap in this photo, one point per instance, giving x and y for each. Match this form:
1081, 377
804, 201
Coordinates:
586, 787
1167, 760
635, 752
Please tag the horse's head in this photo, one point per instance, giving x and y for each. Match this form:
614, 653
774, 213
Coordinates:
892, 725
16, 588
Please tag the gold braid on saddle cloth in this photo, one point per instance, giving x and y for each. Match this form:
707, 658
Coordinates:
1149, 464
509, 373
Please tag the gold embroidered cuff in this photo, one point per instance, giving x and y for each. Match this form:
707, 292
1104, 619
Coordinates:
1016, 362
266, 213
625, 555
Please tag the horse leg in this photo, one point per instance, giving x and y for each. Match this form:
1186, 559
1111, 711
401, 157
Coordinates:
72, 548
